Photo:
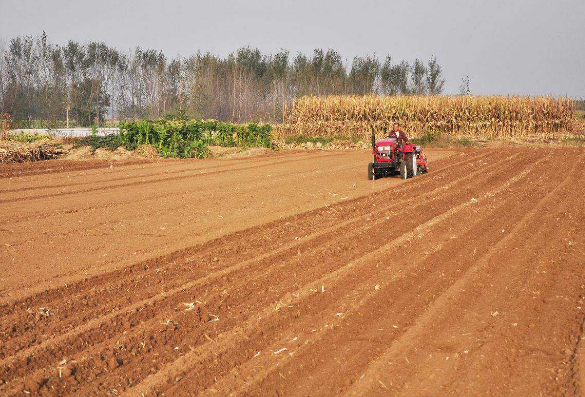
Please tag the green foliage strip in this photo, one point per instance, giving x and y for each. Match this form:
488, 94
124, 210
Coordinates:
191, 138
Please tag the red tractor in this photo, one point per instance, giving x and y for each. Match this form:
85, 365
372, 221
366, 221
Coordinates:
390, 158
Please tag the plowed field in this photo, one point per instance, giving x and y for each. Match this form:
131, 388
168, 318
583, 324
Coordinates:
293, 275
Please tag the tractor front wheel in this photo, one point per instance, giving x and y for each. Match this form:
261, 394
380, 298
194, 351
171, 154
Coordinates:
371, 172
410, 165
403, 170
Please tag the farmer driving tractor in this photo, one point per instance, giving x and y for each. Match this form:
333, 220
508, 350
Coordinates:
395, 154
398, 134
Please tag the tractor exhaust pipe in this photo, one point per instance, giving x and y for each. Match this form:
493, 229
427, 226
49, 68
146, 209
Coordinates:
373, 138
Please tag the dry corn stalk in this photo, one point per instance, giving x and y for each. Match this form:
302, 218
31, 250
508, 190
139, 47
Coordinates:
16, 152
481, 117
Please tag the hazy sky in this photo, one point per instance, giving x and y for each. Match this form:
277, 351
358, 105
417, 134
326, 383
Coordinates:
505, 46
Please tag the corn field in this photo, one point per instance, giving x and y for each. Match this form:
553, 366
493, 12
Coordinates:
481, 117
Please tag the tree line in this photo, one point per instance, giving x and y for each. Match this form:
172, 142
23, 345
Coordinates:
92, 82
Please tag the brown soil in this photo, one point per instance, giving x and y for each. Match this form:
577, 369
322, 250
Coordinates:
237, 152
291, 274
147, 151
87, 153
250, 152
220, 151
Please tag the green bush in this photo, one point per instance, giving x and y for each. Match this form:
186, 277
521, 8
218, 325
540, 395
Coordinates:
465, 142
177, 137
426, 138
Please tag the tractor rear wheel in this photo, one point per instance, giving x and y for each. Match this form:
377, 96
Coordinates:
371, 172
410, 165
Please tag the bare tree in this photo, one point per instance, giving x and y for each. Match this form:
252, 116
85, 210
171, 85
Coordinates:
43, 83
435, 80
464, 87
419, 74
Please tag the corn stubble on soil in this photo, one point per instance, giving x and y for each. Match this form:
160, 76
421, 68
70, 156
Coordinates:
294, 275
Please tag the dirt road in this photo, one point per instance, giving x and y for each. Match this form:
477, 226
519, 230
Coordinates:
293, 275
